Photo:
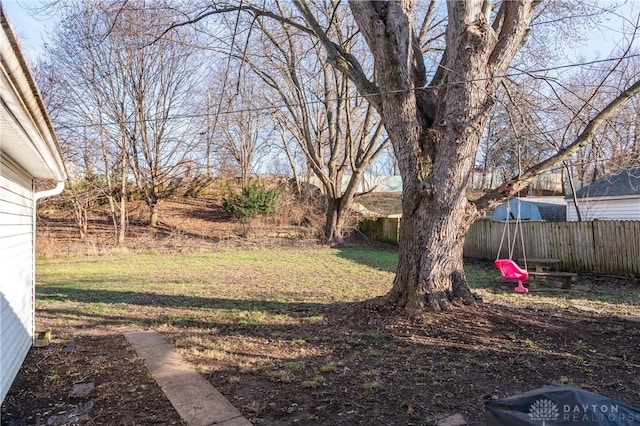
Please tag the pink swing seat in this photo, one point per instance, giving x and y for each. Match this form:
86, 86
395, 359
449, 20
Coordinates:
511, 271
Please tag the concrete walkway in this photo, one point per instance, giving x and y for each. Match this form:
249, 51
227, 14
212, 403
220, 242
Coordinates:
193, 397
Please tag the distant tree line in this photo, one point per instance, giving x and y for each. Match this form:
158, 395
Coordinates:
147, 94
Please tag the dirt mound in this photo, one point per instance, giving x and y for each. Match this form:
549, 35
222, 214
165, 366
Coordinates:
184, 224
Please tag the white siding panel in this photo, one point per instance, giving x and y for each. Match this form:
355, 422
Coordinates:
14, 242
11, 258
12, 220
12, 191
18, 271
607, 209
17, 341
16, 264
14, 179
7, 207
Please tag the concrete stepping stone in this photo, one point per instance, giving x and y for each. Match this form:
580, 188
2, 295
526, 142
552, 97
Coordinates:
81, 390
455, 420
71, 415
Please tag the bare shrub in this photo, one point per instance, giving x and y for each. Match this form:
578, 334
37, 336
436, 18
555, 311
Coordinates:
304, 209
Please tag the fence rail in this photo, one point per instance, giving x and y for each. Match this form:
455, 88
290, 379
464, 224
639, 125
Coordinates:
608, 247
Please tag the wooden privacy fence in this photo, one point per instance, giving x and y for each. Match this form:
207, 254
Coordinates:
383, 229
608, 247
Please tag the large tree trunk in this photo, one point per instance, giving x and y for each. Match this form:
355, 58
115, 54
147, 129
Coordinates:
153, 214
430, 271
435, 221
336, 220
435, 130
331, 219
339, 208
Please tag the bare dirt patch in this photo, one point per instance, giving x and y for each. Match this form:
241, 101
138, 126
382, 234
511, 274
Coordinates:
362, 364
123, 391
186, 224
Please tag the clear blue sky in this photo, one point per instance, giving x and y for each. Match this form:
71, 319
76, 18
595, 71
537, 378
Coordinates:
28, 29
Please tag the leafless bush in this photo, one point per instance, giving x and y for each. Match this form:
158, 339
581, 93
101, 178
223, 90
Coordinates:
303, 210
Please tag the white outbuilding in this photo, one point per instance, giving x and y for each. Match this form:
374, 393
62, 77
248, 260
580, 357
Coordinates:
29, 151
613, 197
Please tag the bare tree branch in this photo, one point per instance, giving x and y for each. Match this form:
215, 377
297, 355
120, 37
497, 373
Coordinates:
514, 186
216, 9
341, 59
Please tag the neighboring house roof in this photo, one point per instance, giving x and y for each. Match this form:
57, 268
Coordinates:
515, 208
27, 135
624, 182
552, 212
551, 209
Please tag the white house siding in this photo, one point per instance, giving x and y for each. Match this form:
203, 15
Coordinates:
622, 208
16, 269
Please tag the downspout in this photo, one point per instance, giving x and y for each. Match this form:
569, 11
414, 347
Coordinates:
48, 193
38, 196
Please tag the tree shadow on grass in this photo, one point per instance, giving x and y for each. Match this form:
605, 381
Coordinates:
92, 296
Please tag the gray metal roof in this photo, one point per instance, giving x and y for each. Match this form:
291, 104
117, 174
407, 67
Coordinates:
621, 183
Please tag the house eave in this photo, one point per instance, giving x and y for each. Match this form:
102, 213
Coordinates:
28, 137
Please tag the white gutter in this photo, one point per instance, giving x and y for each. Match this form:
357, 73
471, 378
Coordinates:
49, 192
38, 196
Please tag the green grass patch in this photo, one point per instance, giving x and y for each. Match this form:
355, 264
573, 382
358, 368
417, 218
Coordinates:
266, 278
250, 289
372, 386
294, 366
245, 288
313, 383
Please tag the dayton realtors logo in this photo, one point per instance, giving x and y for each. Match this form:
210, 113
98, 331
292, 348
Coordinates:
544, 410
547, 411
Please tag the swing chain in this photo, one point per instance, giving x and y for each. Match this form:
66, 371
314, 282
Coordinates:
518, 226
